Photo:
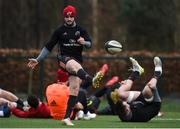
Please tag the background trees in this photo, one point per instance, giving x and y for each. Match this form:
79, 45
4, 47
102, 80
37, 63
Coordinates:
150, 24
138, 24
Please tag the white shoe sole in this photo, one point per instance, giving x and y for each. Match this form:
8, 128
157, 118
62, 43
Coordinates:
158, 64
134, 62
66, 123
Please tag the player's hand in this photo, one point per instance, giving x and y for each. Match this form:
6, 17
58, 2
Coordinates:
32, 63
81, 40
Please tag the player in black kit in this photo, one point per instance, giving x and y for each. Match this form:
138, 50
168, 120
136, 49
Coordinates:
136, 106
72, 39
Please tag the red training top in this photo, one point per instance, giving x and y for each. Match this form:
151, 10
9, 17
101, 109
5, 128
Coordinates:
41, 112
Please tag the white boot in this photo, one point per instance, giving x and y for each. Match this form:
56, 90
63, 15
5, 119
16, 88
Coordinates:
89, 116
80, 114
67, 122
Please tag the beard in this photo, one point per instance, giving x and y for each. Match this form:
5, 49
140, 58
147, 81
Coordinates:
69, 23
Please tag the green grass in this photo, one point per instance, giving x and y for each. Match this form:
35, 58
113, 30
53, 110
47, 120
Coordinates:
171, 119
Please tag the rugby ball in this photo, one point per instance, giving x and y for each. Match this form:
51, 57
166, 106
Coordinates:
113, 47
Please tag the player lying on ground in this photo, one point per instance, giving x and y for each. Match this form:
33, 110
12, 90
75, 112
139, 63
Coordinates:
7, 101
34, 109
110, 108
57, 95
136, 106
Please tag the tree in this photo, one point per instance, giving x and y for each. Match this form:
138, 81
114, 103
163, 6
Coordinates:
150, 24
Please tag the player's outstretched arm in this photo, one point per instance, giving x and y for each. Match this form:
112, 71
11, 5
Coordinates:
35, 61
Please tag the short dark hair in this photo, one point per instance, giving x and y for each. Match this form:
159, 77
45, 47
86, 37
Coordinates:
33, 101
121, 111
120, 108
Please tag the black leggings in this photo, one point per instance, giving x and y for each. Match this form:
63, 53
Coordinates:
82, 99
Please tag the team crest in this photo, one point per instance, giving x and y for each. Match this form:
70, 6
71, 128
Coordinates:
69, 13
77, 33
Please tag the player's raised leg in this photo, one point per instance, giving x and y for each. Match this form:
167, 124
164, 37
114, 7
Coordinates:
99, 75
150, 91
126, 85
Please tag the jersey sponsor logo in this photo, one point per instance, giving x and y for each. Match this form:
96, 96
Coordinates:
71, 43
53, 103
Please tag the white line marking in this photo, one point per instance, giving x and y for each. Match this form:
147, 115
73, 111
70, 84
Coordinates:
167, 119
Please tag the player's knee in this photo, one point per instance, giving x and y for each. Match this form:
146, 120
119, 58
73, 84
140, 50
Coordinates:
71, 70
147, 92
72, 66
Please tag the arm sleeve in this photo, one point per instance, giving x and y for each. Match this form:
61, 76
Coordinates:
20, 113
43, 54
87, 44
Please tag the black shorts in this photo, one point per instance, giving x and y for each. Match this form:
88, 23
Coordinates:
63, 60
146, 112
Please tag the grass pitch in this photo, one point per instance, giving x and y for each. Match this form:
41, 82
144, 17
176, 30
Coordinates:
171, 119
